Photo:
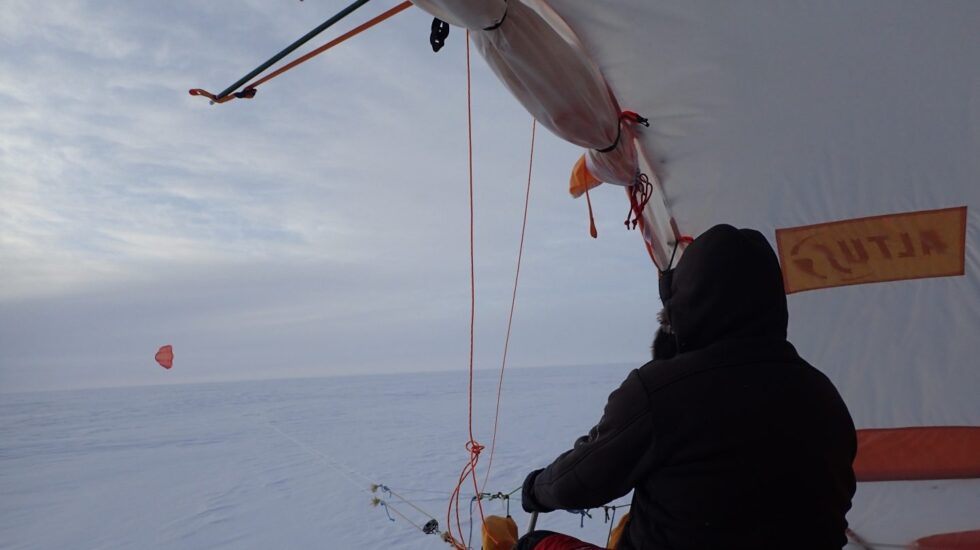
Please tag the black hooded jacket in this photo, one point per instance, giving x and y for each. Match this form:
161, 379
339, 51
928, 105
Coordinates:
735, 442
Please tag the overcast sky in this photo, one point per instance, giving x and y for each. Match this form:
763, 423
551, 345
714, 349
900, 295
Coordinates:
318, 229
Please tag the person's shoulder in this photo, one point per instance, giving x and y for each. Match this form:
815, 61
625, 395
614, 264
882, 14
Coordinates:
661, 373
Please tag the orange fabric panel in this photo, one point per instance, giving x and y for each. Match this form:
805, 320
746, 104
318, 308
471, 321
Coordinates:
581, 179
617, 533
499, 533
963, 540
894, 247
901, 454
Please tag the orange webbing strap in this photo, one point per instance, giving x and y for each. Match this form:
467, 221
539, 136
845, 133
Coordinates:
248, 91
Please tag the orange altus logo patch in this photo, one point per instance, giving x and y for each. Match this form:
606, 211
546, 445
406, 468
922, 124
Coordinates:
894, 247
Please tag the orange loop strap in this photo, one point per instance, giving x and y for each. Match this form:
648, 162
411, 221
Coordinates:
633, 117
639, 194
214, 99
592, 228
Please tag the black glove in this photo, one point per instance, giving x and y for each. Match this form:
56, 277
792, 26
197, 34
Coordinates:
528, 502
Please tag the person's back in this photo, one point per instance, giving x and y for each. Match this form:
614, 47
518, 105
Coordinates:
749, 452
735, 442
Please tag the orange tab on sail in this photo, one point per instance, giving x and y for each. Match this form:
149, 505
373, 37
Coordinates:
894, 247
581, 179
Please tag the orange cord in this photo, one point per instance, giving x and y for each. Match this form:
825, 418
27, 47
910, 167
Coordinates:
351, 33
472, 447
513, 301
249, 89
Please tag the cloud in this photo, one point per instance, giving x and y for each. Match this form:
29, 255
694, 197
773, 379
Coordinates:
321, 227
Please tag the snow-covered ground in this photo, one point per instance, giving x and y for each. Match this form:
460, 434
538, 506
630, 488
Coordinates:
281, 463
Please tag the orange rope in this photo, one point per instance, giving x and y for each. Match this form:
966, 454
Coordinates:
351, 33
513, 301
474, 448
250, 88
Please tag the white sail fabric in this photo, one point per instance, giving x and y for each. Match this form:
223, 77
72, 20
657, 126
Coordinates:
781, 114
539, 59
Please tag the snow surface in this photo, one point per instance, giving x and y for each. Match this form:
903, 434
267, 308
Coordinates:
281, 463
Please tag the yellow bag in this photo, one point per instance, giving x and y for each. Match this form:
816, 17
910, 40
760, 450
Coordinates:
499, 533
618, 531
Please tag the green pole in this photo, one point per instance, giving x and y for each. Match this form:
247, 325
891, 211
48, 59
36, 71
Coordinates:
289, 49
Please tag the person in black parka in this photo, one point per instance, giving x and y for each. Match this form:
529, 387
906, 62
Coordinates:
735, 441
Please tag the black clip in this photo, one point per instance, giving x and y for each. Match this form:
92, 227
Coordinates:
440, 31
431, 527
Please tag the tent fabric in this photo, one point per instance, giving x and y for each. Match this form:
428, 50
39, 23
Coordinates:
851, 128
